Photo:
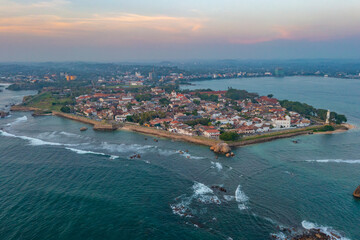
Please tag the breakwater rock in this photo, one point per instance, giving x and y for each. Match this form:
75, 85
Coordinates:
314, 234
3, 114
222, 148
357, 192
104, 127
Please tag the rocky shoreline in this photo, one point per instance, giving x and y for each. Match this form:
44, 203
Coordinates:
100, 126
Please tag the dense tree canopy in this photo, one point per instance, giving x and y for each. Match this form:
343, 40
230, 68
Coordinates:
229, 136
236, 94
142, 118
309, 111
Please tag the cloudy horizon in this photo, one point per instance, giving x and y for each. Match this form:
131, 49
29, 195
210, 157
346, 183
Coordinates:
64, 30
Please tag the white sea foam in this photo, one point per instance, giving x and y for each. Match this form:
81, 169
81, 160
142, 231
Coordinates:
241, 198
121, 148
79, 151
229, 198
200, 189
18, 120
187, 155
326, 230
201, 194
34, 141
356, 161
280, 236
217, 165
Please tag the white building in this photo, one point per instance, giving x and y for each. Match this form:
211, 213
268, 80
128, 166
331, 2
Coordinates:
281, 122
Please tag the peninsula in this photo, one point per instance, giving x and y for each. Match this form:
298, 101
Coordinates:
205, 117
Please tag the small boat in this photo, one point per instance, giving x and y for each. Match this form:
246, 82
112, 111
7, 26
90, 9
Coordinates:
83, 129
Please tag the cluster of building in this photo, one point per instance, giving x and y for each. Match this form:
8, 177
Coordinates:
188, 114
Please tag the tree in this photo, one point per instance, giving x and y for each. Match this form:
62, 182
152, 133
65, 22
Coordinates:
229, 136
236, 94
164, 101
270, 95
65, 109
197, 102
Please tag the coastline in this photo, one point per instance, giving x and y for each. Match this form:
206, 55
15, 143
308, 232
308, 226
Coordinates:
344, 127
102, 126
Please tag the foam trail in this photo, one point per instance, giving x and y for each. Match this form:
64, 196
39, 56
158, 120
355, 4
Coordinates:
18, 120
201, 193
241, 198
335, 161
79, 151
326, 230
217, 165
122, 148
33, 141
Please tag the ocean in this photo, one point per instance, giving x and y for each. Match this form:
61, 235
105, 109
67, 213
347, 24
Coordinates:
59, 183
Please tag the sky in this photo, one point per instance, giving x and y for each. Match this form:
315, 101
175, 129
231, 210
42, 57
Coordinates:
147, 30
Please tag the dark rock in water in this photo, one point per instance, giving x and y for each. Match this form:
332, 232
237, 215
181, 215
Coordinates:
219, 188
313, 234
83, 129
357, 192
3, 114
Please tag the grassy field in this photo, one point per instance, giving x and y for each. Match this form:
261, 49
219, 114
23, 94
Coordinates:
274, 134
47, 101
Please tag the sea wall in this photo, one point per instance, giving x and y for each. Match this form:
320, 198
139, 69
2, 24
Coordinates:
76, 118
19, 108
267, 139
166, 134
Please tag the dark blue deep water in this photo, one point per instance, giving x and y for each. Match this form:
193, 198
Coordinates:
59, 183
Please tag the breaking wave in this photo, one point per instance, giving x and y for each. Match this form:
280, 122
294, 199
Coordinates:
329, 231
217, 165
18, 120
201, 194
335, 161
122, 148
79, 151
34, 141
241, 198
290, 233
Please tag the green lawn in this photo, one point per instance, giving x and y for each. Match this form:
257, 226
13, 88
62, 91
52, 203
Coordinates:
47, 101
273, 134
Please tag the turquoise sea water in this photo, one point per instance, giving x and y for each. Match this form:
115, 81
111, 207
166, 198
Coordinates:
59, 183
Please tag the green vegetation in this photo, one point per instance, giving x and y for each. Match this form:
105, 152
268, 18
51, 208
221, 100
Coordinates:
164, 101
48, 101
326, 128
229, 136
145, 117
65, 109
207, 97
236, 94
143, 97
201, 121
197, 102
311, 112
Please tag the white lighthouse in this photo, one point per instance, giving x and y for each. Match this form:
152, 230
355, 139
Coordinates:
327, 117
